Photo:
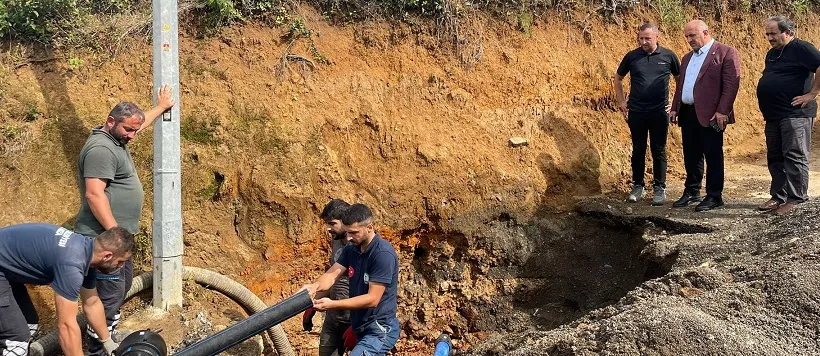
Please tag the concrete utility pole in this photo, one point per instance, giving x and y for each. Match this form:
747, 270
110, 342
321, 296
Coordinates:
167, 227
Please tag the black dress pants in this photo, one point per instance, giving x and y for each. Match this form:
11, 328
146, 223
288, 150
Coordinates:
701, 143
655, 125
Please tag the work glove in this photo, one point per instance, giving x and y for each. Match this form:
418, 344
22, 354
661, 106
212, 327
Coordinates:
349, 339
307, 319
110, 346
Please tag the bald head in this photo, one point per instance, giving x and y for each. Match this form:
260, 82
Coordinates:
697, 25
697, 34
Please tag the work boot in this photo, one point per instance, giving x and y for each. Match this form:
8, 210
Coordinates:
638, 192
658, 195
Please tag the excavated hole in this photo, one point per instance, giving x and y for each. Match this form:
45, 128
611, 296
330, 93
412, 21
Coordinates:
539, 275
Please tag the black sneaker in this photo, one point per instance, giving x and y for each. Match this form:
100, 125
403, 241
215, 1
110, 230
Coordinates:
686, 199
709, 203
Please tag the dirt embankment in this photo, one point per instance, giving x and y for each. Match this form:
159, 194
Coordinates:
395, 121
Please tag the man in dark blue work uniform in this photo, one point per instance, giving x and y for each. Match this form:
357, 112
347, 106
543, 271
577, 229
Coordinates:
44, 254
372, 265
649, 67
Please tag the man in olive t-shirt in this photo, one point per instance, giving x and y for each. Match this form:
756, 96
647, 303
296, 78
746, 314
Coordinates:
112, 194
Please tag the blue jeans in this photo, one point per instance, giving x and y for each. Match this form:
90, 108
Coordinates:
378, 338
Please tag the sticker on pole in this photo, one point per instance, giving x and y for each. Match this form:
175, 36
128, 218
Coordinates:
166, 47
166, 116
166, 27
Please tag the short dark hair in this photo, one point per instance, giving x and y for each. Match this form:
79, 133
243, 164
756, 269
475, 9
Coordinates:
783, 23
117, 240
648, 25
357, 213
125, 110
334, 210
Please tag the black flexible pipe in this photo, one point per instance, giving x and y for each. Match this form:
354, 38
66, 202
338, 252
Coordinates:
50, 345
250, 326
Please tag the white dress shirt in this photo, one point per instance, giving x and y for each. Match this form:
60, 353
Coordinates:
695, 63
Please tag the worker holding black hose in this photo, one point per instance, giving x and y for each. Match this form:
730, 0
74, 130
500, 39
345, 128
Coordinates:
43, 254
337, 321
372, 265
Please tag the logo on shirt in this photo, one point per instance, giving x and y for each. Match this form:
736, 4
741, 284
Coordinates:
64, 234
366, 278
350, 272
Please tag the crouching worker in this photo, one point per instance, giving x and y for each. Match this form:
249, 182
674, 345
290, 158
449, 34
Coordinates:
43, 254
372, 267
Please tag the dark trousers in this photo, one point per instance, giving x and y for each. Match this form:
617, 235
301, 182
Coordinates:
112, 289
18, 318
787, 155
331, 342
656, 125
698, 143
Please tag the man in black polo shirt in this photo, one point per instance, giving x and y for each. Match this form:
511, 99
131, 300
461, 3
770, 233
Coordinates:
786, 95
372, 265
649, 66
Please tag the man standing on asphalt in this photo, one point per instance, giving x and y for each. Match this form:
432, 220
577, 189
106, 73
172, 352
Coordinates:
337, 321
43, 254
786, 95
703, 107
650, 67
372, 265
112, 195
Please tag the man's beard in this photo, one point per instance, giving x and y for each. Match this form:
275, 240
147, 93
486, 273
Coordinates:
123, 139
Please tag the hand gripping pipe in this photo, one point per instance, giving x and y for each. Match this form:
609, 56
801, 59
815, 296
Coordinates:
50, 345
250, 326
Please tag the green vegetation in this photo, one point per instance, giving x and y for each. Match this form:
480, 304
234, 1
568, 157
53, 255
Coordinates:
199, 127
103, 24
10, 132
296, 31
671, 13
800, 7
259, 128
32, 113
75, 63
525, 22
211, 192
38, 20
